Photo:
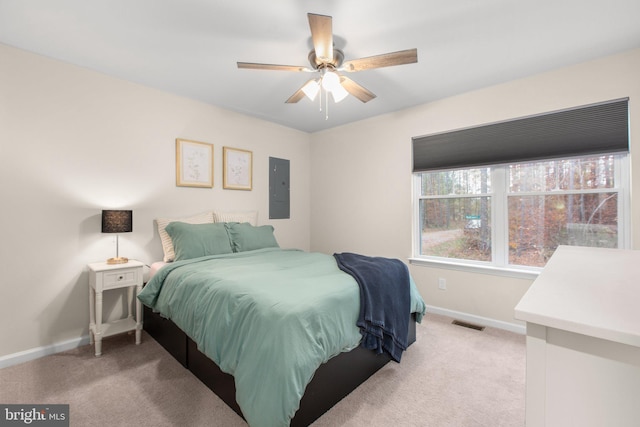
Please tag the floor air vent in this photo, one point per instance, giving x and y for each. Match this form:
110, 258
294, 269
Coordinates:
468, 325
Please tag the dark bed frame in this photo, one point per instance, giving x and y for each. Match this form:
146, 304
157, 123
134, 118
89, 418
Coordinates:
333, 380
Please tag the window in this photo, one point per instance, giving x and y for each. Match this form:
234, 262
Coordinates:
515, 215
505, 195
455, 214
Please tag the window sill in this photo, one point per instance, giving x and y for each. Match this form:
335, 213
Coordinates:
480, 269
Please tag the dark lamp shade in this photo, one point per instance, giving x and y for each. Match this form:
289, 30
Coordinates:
117, 221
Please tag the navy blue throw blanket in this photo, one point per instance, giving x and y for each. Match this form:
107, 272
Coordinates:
385, 301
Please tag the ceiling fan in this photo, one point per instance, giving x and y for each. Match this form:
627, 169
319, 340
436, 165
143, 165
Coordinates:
327, 60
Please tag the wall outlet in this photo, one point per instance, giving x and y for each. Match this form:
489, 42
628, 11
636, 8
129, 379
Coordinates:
442, 283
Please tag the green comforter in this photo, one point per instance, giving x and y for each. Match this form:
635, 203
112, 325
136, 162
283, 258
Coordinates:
269, 317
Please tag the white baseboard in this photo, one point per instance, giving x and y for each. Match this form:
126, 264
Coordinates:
478, 320
38, 352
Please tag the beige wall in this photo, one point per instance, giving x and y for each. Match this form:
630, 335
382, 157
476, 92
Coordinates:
73, 142
361, 173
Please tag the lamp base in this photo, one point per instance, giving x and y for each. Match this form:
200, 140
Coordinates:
118, 260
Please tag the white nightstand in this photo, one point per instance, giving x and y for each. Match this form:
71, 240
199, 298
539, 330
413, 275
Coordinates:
104, 277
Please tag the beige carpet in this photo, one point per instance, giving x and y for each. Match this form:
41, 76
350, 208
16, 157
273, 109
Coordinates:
452, 376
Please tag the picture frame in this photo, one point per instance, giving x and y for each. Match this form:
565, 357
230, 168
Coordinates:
194, 163
237, 165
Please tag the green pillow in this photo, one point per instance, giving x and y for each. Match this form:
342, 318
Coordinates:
246, 237
198, 240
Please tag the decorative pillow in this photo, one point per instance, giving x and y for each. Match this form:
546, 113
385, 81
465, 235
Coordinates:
198, 240
246, 237
167, 244
250, 217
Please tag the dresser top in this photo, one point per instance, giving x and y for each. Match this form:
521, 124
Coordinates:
589, 291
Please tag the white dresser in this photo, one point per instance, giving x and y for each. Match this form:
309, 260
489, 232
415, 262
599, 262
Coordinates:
583, 339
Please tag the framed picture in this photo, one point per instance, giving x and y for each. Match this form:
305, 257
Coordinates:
194, 164
237, 169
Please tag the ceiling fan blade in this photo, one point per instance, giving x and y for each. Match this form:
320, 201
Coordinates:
274, 67
322, 36
401, 57
360, 92
297, 96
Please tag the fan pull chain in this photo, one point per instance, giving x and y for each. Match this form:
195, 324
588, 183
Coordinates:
326, 106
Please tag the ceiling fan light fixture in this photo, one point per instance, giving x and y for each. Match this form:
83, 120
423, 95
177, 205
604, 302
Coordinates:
339, 93
311, 89
330, 81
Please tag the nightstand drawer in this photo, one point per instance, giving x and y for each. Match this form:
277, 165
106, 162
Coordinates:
120, 278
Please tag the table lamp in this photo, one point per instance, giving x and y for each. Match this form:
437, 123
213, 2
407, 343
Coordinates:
117, 221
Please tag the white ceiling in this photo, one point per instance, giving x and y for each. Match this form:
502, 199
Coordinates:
190, 47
